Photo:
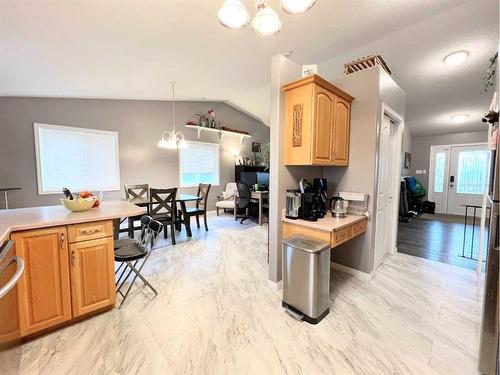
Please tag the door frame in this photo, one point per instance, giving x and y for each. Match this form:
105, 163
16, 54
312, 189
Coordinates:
447, 169
397, 162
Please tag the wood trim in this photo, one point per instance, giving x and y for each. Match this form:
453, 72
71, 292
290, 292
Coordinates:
320, 81
341, 236
317, 234
90, 231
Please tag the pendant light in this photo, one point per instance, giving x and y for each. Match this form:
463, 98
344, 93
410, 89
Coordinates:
233, 14
172, 139
297, 6
266, 22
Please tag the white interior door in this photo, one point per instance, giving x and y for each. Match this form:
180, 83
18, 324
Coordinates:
467, 177
385, 192
438, 177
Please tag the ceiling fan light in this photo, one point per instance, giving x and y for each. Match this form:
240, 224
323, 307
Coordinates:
266, 22
297, 6
233, 14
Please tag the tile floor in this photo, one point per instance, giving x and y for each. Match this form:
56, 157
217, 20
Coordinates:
216, 314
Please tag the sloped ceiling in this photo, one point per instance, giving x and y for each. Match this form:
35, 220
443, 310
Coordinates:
132, 49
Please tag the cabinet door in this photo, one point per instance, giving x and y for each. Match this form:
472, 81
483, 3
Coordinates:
92, 275
324, 102
44, 291
340, 132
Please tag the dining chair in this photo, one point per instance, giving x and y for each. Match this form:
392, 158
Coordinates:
131, 255
140, 191
201, 206
162, 208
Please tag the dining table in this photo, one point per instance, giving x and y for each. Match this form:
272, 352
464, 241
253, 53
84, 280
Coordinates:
182, 199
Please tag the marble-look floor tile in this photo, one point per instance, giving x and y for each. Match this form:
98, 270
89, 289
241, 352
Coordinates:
215, 314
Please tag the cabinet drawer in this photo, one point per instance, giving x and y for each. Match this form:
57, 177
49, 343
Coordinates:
341, 236
358, 228
89, 231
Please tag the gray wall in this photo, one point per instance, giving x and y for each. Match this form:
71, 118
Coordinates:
421, 147
406, 147
139, 124
371, 88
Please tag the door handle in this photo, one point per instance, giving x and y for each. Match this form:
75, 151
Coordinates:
15, 278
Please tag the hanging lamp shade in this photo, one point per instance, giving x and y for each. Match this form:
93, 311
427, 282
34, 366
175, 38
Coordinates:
172, 139
233, 14
266, 22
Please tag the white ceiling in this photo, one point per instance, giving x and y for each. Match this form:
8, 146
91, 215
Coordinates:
132, 49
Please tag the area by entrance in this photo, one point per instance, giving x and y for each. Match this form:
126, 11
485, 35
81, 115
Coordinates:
457, 176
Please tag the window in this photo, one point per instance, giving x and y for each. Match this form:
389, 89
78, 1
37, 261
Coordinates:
472, 167
76, 158
199, 163
439, 172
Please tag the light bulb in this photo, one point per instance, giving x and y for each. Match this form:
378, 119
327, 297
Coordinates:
266, 22
233, 14
297, 6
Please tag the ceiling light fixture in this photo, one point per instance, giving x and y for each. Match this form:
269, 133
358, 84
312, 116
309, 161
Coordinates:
266, 22
460, 118
456, 58
233, 14
297, 6
172, 139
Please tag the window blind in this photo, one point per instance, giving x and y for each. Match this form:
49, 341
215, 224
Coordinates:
76, 158
199, 163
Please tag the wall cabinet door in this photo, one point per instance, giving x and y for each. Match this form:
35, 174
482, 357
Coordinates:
324, 103
44, 289
92, 275
340, 132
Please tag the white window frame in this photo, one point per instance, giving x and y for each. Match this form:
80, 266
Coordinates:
37, 126
217, 162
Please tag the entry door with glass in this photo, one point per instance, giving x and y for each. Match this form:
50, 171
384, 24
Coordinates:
457, 177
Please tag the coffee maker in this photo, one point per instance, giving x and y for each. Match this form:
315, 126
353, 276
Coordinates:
309, 201
319, 187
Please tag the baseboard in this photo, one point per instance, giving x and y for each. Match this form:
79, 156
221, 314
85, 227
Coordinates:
351, 271
275, 286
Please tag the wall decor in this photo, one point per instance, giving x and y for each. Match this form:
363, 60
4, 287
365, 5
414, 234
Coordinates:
407, 163
255, 147
298, 113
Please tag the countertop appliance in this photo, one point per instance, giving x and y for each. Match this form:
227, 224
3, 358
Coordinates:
339, 207
319, 187
306, 278
309, 202
293, 200
489, 347
11, 270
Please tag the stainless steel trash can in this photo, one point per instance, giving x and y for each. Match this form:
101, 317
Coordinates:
306, 278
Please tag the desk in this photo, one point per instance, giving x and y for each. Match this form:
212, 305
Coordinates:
5, 190
260, 196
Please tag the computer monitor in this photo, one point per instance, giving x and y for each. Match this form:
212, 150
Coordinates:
263, 178
249, 178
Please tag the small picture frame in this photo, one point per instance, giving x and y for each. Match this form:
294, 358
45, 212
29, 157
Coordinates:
255, 147
407, 162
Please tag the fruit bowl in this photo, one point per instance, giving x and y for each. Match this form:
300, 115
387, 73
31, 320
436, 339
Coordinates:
79, 204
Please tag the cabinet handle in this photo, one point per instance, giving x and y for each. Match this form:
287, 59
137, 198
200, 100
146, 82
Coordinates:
90, 231
334, 154
62, 241
73, 258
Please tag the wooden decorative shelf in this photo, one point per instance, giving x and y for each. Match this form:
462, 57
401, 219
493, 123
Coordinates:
220, 131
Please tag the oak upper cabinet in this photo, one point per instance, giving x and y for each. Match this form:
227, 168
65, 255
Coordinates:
92, 275
317, 116
44, 289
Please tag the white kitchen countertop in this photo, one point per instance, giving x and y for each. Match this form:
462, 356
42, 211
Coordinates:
328, 223
50, 216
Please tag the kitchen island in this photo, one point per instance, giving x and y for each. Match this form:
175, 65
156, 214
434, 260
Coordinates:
69, 264
328, 229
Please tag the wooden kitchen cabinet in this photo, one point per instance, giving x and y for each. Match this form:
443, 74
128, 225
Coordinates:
92, 275
317, 116
44, 289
